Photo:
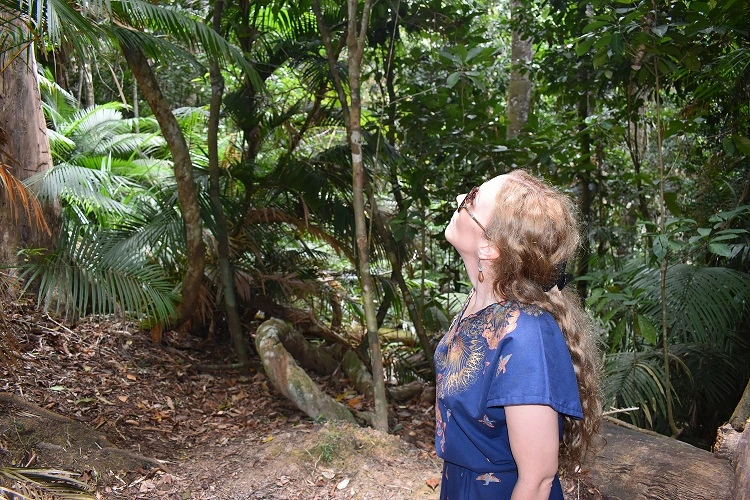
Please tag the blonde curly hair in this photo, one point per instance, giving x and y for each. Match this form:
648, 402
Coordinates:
535, 229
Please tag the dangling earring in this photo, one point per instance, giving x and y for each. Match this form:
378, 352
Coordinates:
480, 276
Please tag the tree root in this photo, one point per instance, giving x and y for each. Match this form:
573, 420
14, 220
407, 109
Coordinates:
291, 380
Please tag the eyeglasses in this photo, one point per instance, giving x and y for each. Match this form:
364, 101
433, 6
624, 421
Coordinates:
469, 200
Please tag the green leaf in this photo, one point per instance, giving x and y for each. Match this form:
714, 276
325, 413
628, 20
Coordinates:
584, 45
453, 79
721, 249
670, 199
728, 144
742, 143
616, 44
660, 31
691, 62
595, 25
647, 329
617, 334
661, 243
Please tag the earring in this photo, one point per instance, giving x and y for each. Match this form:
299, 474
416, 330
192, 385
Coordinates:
480, 276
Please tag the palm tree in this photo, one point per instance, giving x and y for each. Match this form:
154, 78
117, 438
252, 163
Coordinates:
129, 24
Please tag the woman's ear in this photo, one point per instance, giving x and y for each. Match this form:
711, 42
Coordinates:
488, 251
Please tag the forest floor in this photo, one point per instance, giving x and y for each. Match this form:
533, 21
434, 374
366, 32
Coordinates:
140, 420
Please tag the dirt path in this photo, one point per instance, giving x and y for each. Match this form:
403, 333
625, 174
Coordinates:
188, 434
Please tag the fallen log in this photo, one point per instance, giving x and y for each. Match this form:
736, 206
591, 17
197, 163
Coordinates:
637, 464
291, 380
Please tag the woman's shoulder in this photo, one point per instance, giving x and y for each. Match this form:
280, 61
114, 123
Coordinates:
526, 317
512, 307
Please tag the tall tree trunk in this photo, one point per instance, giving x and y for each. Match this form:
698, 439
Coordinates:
24, 146
226, 272
519, 89
356, 39
587, 196
187, 194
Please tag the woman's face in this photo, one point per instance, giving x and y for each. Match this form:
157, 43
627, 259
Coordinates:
466, 228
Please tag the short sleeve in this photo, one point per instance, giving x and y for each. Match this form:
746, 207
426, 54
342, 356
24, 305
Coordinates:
534, 367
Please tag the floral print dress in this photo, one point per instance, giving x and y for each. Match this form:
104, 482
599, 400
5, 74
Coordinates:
505, 354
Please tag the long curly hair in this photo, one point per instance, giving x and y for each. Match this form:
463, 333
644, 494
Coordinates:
535, 228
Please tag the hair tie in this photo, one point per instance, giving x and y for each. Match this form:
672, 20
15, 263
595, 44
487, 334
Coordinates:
561, 277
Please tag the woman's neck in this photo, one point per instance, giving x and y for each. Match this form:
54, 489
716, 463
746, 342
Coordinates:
482, 297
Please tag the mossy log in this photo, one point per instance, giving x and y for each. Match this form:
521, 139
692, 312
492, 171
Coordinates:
636, 464
291, 380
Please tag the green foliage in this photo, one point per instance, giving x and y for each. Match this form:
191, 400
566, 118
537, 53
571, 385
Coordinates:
97, 271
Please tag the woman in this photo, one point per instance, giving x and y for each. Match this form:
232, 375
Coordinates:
517, 384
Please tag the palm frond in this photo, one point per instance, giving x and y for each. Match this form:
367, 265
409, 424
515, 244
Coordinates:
83, 187
61, 146
193, 33
43, 483
55, 21
635, 379
85, 121
89, 272
18, 196
704, 304
56, 101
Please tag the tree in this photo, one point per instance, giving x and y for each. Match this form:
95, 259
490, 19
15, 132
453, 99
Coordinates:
225, 268
519, 89
24, 147
356, 36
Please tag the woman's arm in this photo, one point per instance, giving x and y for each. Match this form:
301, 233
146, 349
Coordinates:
534, 440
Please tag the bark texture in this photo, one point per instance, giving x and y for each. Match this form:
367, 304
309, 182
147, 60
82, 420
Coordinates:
24, 146
742, 468
519, 88
291, 380
187, 194
636, 465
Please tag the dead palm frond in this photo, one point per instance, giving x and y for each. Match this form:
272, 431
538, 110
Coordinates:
13, 189
18, 483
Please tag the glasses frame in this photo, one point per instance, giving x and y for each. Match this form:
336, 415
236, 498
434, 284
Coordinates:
469, 199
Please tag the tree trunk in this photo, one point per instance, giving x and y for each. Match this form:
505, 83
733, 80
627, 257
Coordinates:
742, 468
353, 119
637, 464
519, 88
356, 371
291, 380
587, 196
187, 194
226, 273
733, 443
87, 82
741, 412
24, 148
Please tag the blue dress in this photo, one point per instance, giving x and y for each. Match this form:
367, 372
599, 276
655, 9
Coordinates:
504, 354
